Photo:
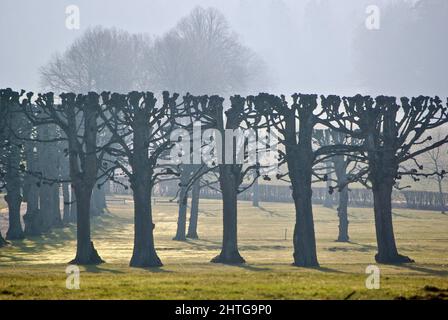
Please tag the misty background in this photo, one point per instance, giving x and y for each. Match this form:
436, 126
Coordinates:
318, 46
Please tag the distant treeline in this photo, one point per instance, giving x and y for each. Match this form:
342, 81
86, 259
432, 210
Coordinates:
358, 198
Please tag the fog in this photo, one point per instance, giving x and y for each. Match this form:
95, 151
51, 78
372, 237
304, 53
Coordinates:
307, 46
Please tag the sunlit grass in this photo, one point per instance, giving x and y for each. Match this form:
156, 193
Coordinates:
35, 268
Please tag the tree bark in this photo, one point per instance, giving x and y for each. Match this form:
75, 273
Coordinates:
300, 160
32, 218
3, 242
94, 209
194, 212
340, 166
229, 252
85, 251
46, 205
441, 195
98, 202
13, 197
304, 237
49, 189
73, 207
144, 253
328, 202
387, 249
66, 198
256, 194
343, 215
183, 204
56, 210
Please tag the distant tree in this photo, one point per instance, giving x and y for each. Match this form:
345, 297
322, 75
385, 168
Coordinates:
437, 160
140, 131
194, 213
295, 123
393, 136
12, 166
240, 162
202, 55
102, 59
343, 166
78, 117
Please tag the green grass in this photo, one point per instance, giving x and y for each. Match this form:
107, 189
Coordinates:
35, 268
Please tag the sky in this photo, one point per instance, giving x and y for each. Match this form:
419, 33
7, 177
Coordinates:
306, 47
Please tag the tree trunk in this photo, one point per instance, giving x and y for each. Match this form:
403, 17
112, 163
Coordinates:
14, 199
85, 251
183, 203
98, 202
101, 198
66, 197
229, 252
441, 195
46, 205
256, 194
300, 161
387, 249
194, 212
13, 196
56, 210
340, 166
32, 218
328, 202
144, 253
3, 242
304, 237
343, 215
73, 206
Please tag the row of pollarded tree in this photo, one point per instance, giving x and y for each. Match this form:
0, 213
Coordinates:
33, 167
383, 137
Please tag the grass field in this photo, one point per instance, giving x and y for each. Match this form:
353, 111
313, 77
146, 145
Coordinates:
35, 268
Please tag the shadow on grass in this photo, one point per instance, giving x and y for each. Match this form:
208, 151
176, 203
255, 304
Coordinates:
52, 240
362, 247
208, 213
271, 213
204, 245
155, 270
100, 269
319, 268
434, 272
326, 270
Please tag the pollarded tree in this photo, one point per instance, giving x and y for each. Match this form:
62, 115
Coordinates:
393, 136
4, 142
15, 123
202, 55
437, 160
188, 172
344, 166
77, 116
295, 122
48, 157
237, 155
101, 59
140, 131
194, 212
33, 220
